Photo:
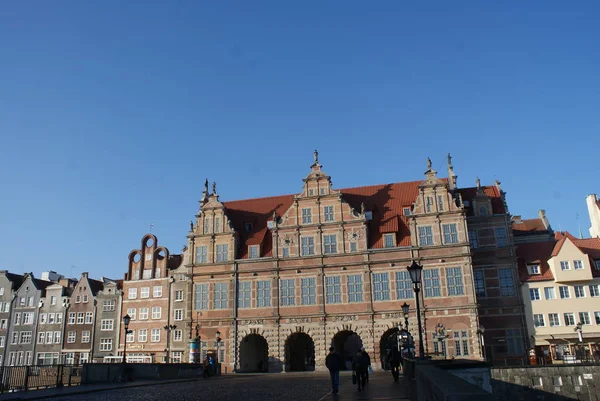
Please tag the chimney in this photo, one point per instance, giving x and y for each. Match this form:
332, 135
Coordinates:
517, 219
542, 216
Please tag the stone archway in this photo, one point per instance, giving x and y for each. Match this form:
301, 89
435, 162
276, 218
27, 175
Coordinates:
389, 340
299, 353
346, 343
254, 354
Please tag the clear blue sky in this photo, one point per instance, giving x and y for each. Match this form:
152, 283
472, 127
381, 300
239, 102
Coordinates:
113, 113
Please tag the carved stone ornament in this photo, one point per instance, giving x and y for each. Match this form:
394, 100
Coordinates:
299, 320
345, 318
251, 322
393, 315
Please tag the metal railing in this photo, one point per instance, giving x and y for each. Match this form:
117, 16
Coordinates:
20, 378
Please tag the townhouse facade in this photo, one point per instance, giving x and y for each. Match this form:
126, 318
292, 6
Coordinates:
107, 320
51, 323
9, 284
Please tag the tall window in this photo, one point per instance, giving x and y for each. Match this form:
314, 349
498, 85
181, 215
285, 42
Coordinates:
428, 204
263, 293
217, 225
440, 203
381, 286
404, 288
479, 276
579, 291
131, 313
450, 233
461, 343
221, 295
328, 213
507, 285
288, 292
597, 317
330, 243
564, 265
142, 335
564, 292
201, 254
286, 251
389, 240
425, 236
577, 264
538, 320
132, 293
253, 251
306, 216
355, 293
308, 246
514, 341
144, 313
201, 297
157, 291
594, 290
473, 240
156, 312
131, 336
353, 246
554, 319
222, 250
454, 281
333, 289
178, 314
501, 236
432, 282
569, 319
534, 294
145, 292
584, 317
155, 336
307, 289
206, 225
80, 317
245, 288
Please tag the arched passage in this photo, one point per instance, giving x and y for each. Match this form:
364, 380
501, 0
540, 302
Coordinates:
254, 354
346, 343
299, 353
389, 340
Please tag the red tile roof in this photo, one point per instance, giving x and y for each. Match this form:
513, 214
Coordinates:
535, 253
385, 201
528, 226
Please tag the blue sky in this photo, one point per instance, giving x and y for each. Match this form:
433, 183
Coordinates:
113, 113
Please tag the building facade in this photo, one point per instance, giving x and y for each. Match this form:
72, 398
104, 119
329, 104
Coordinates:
279, 280
51, 323
108, 320
9, 284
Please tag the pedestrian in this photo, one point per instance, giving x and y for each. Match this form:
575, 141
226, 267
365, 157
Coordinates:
333, 361
394, 358
368, 359
360, 364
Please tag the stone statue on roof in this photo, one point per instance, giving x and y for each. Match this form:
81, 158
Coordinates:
214, 188
428, 163
449, 160
316, 156
478, 183
206, 185
275, 218
191, 226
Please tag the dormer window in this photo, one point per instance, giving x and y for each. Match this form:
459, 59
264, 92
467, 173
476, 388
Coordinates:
389, 240
564, 265
253, 252
577, 264
406, 211
533, 269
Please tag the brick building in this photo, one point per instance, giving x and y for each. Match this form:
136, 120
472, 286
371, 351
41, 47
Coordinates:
282, 278
108, 314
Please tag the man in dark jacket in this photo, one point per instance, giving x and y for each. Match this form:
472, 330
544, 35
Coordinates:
334, 362
394, 359
368, 360
360, 364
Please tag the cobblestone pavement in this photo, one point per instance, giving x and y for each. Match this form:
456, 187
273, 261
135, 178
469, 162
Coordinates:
289, 387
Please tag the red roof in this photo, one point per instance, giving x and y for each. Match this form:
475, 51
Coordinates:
535, 253
385, 201
492, 192
528, 226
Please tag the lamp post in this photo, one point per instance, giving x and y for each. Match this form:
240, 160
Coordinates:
480, 332
405, 308
126, 320
415, 270
168, 329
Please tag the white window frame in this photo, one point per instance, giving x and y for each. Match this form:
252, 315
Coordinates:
333, 289
538, 320
157, 291
569, 318
578, 265
594, 290
354, 283
71, 337
156, 312
201, 254
450, 232
178, 315
389, 240
425, 235
306, 215
86, 335
381, 286
549, 291
144, 313
132, 313
308, 245
554, 319
155, 336
329, 244
145, 292
328, 213
584, 318
564, 292
533, 269
142, 335
132, 293
107, 325
106, 344
534, 294
178, 295
253, 252
263, 294
579, 291
565, 265
222, 253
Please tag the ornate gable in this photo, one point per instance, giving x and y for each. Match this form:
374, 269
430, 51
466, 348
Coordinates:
148, 262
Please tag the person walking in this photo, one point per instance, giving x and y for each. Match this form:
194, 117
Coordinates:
394, 358
360, 364
368, 361
333, 361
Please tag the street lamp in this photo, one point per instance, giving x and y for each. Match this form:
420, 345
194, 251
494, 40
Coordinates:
126, 320
415, 270
480, 332
169, 328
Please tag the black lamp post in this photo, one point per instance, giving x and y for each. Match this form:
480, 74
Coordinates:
415, 270
126, 320
169, 328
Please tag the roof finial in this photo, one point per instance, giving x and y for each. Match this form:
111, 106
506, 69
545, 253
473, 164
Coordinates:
428, 163
214, 188
449, 161
316, 156
478, 183
206, 185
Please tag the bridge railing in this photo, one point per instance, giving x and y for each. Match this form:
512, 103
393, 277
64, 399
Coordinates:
20, 378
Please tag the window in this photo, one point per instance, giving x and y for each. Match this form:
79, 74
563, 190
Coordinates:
554, 319
311, 192
131, 336
579, 291
533, 269
355, 288
15, 338
308, 246
425, 236
428, 204
221, 295
143, 313
107, 325
569, 319
142, 335
157, 293
178, 335
263, 293
288, 292
108, 306
473, 240
597, 317
78, 299
333, 288
145, 292
41, 337
549, 293
577, 265
597, 264
253, 251
381, 286
538, 320
155, 338
106, 344
306, 216
584, 317
328, 213
80, 317
178, 314
507, 286
454, 281
132, 293
72, 318
330, 243
564, 265
564, 292
594, 290
48, 337
2, 344
178, 295
461, 343
201, 297
500, 236
432, 283
28, 318
43, 318
201, 254
534, 294
479, 277
406, 211
353, 246
514, 341
52, 300
307, 289
85, 336
450, 233
244, 294
3, 323
131, 313
85, 299
156, 312
71, 336
17, 318
389, 240
206, 225
217, 225
404, 288
89, 317
285, 252
222, 251
59, 317
322, 191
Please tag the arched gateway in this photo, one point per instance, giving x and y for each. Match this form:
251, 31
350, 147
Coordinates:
299, 353
346, 343
254, 354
